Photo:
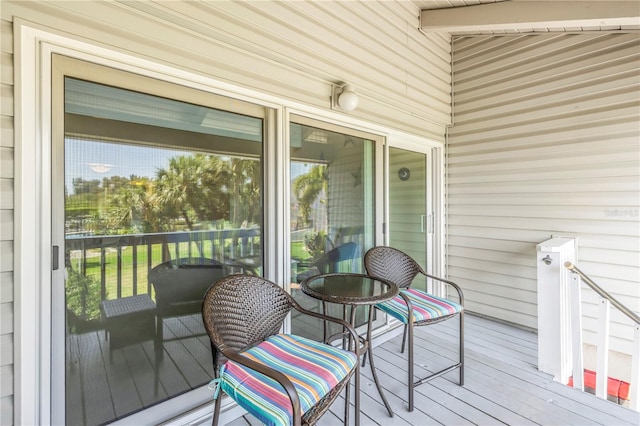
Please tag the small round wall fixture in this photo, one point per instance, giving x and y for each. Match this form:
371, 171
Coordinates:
404, 173
348, 99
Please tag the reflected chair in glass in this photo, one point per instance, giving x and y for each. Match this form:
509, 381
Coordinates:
278, 378
425, 309
180, 286
330, 261
327, 263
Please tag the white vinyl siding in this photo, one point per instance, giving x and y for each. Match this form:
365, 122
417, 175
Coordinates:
546, 142
289, 49
6, 223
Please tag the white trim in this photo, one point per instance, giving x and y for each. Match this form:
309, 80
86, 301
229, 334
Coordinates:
33, 46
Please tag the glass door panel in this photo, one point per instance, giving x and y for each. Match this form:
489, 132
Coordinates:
162, 197
331, 208
408, 218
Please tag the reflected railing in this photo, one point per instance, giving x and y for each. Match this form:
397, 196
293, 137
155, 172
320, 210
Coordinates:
122, 263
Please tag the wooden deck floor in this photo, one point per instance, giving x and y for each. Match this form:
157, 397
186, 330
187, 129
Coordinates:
502, 383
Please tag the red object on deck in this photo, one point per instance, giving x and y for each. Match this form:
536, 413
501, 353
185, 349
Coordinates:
616, 388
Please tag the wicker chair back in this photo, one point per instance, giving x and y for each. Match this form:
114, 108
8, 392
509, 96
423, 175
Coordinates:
240, 311
392, 264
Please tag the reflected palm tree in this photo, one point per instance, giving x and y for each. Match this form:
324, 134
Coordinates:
308, 187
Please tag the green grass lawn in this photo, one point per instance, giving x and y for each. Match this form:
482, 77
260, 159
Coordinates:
139, 271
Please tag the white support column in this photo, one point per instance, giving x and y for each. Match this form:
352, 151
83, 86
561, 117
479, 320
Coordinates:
554, 320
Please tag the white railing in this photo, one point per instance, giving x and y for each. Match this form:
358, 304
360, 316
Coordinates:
604, 312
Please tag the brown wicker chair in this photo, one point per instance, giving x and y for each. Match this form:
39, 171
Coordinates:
399, 268
243, 315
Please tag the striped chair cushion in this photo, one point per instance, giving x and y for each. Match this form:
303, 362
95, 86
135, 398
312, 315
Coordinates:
425, 306
313, 368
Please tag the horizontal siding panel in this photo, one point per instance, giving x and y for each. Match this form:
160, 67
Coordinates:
6, 256
6, 100
6, 131
6, 410
627, 184
6, 193
627, 113
538, 59
6, 36
6, 350
547, 156
601, 258
601, 84
6, 68
591, 168
605, 132
6, 380
546, 142
487, 237
6, 287
555, 225
491, 256
626, 205
6, 225
494, 271
6, 318
585, 101
6, 163
541, 211
492, 280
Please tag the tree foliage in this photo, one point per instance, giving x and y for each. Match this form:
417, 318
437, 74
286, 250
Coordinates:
196, 191
308, 187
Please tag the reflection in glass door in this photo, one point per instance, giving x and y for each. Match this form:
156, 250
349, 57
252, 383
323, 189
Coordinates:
332, 206
161, 198
408, 216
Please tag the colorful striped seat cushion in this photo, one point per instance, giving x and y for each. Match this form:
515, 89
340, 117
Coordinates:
425, 306
313, 368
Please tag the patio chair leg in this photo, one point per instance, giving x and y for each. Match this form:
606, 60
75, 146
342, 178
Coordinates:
404, 338
216, 410
347, 399
462, 348
410, 369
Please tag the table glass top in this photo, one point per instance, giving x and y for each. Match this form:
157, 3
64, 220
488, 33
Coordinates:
350, 289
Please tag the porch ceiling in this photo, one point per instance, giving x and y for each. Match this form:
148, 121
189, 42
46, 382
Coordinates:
524, 16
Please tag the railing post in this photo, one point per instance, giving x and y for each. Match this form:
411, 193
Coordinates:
576, 332
602, 364
554, 322
635, 370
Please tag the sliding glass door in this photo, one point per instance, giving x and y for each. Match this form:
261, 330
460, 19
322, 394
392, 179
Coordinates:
334, 175
410, 219
157, 193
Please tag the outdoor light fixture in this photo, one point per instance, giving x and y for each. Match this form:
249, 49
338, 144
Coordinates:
344, 97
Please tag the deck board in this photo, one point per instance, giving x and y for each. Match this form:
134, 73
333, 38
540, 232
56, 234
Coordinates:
502, 382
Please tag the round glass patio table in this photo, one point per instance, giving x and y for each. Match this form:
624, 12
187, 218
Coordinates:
353, 290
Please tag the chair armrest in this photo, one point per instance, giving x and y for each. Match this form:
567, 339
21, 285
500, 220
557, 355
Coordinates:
451, 283
269, 372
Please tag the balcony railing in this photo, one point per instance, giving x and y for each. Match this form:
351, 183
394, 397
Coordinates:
604, 313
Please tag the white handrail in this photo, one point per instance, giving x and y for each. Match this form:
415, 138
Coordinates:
606, 300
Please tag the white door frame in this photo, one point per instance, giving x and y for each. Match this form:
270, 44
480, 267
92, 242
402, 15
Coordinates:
435, 195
